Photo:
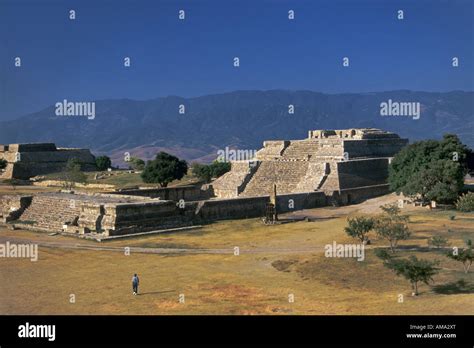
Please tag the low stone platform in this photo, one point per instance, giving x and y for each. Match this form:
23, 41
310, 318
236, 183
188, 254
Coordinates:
103, 216
27, 160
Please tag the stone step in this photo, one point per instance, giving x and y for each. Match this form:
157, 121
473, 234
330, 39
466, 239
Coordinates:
286, 175
50, 213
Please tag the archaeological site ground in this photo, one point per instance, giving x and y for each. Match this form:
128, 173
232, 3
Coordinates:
208, 248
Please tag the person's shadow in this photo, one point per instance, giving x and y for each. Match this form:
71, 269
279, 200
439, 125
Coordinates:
155, 292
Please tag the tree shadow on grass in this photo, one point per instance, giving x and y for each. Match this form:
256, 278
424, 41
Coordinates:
453, 288
416, 247
155, 292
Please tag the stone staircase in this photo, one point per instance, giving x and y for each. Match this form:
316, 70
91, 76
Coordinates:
285, 174
301, 150
233, 182
314, 178
50, 213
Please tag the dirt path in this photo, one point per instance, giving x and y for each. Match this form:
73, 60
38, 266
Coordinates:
64, 244
370, 206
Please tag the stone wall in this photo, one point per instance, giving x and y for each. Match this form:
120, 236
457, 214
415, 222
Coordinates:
362, 173
28, 160
110, 215
251, 207
356, 195
374, 147
188, 193
12, 206
127, 218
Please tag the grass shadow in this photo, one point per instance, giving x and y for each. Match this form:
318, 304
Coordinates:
155, 292
163, 245
453, 288
416, 247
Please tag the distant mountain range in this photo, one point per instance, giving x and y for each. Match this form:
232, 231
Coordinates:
240, 119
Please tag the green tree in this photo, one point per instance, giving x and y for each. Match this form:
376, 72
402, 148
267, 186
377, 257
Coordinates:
103, 163
413, 269
206, 172
465, 256
73, 173
433, 170
202, 172
219, 168
359, 227
3, 163
164, 169
136, 163
392, 226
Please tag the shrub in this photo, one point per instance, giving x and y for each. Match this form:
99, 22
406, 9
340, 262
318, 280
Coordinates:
202, 172
466, 202
3, 164
103, 163
136, 163
73, 174
206, 172
438, 241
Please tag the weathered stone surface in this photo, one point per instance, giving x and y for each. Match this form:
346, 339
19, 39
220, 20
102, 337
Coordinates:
27, 160
330, 168
328, 160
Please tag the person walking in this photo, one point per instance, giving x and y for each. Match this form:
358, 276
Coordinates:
135, 282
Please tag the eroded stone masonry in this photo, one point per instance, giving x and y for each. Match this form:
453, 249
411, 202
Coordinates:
27, 160
330, 167
328, 160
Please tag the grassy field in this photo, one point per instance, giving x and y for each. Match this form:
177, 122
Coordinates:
123, 179
274, 262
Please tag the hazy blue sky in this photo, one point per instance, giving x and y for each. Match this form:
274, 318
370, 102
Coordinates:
82, 60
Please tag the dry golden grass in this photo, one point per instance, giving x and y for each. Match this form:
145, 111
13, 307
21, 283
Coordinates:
275, 261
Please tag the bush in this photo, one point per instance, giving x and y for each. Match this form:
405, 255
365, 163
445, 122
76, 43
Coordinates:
466, 202
206, 172
219, 168
73, 174
103, 163
438, 241
202, 172
136, 163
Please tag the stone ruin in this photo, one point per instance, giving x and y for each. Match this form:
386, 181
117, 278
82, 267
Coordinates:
328, 160
27, 160
330, 167
105, 214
